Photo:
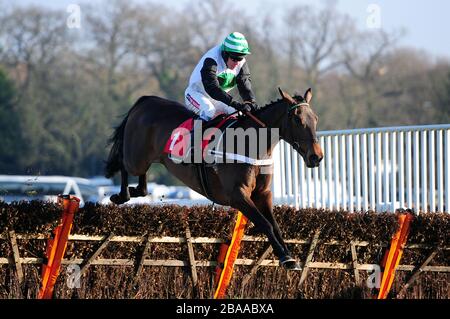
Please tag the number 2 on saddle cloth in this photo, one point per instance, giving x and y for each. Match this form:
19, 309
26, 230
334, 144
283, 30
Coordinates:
179, 145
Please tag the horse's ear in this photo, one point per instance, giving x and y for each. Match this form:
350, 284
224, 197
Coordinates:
308, 95
286, 96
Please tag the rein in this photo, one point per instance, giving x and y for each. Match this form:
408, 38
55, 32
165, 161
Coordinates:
254, 118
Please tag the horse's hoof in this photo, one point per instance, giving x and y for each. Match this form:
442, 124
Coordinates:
290, 263
117, 199
136, 192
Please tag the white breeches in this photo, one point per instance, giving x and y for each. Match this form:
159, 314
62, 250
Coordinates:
204, 106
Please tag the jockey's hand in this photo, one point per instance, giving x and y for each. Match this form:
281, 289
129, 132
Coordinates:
243, 107
253, 105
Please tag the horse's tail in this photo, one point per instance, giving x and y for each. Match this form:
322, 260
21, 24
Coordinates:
114, 163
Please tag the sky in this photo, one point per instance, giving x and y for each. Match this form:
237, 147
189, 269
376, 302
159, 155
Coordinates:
426, 22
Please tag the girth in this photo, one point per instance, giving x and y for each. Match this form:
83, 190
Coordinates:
203, 178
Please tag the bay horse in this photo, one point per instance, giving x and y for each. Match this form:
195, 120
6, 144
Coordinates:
140, 139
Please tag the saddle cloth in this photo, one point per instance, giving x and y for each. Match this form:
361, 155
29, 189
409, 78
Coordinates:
178, 146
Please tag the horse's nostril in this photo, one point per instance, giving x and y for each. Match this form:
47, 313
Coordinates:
314, 158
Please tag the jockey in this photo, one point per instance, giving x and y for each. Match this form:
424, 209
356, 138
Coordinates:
220, 70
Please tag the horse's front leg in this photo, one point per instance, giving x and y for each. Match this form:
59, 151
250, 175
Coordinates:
243, 202
263, 201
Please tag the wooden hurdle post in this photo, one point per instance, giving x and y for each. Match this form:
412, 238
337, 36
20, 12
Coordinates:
231, 256
394, 254
56, 246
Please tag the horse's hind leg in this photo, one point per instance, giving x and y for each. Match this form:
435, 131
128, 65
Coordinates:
141, 189
124, 195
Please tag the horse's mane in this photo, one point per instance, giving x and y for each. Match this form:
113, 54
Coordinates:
266, 106
296, 97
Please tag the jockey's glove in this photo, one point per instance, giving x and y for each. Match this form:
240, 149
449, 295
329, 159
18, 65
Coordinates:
243, 107
253, 105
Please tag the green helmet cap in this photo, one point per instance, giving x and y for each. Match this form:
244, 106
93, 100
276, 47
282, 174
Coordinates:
236, 43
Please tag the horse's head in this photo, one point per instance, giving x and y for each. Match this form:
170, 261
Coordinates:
299, 127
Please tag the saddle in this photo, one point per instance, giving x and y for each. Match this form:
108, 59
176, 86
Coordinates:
180, 145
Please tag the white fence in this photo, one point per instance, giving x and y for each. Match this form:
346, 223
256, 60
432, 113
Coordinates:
378, 169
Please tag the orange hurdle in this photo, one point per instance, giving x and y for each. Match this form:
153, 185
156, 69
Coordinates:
56, 246
231, 256
220, 261
393, 256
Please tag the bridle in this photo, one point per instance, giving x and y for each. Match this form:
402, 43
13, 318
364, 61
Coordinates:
294, 107
315, 140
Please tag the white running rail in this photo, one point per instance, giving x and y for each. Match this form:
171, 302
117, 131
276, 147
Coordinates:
380, 169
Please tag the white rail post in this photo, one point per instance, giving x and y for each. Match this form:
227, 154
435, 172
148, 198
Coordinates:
357, 157
316, 187
386, 168
372, 172
364, 173
378, 157
288, 162
308, 187
447, 170
416, 173
440, 188
274, 186
393, 172
329, 176
424, 170
302, 188
432, 172
409, 170
336, 171
322, 176
343, 184
283, 172
401, 169
350, 172
295, 179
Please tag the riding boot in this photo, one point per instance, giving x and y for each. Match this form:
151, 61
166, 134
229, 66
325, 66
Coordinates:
197, 122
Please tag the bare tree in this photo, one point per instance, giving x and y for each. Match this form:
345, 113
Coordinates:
265, 60
312, 39
166, 48
34, 38
210, 21
113, 35
364, 55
